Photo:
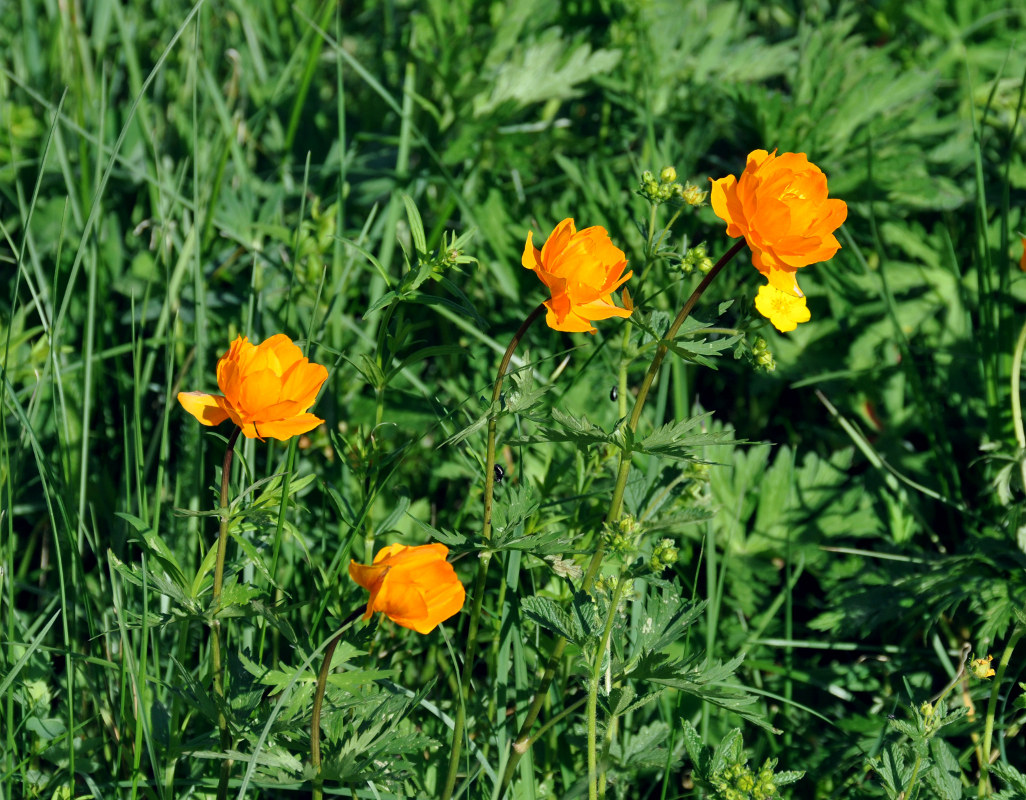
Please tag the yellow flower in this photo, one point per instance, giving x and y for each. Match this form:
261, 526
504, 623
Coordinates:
981, 667
783, 309
581, 270
268, 390
413, 586
780, 206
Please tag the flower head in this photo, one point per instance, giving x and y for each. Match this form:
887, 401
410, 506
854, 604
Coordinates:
268, 390
981, 667
414, 586
581, 269
783, 309
780, 206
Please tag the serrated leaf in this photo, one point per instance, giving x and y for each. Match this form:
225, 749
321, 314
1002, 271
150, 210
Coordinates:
787, 777
728, 752
1016, 780
944, 774
552, 617
696, 749
678, 439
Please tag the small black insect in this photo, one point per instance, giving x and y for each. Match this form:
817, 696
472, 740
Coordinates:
613, 394
500, 473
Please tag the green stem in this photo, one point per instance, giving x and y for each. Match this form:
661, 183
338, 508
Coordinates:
593, 683
318, 702
523, 739
1020, 345
459, 723
988, 728
215, 624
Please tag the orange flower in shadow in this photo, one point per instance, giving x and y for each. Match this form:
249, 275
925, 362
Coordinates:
780, 206
413, 586
268, 390
581, 270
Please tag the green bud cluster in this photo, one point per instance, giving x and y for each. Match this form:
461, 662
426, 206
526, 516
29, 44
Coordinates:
666, 188
620, 537
762, 357
696, 258
738, 782
664, 555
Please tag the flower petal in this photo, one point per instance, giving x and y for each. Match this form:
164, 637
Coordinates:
203, 407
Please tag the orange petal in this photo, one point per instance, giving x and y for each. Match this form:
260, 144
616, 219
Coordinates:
203, 407
283, 429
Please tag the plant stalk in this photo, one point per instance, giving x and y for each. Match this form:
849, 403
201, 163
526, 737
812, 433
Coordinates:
593, 683
523, 739
988, 727
215, 624
318, 703
459, 723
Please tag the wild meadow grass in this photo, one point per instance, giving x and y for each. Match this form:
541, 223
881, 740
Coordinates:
701, 558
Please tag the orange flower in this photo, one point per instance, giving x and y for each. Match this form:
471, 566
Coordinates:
581, 269
268, 390
783, 309
1022, 260
414, 586
780, 206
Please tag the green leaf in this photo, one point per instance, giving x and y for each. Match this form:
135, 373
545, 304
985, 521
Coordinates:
416, 224
678, 439
696, 749
157, 548
728, 752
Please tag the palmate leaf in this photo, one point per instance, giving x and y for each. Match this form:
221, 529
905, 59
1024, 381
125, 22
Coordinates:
706, 682
577, 625
666, 618
944, 775
579, 430
679, 439
1015, 780
644, 749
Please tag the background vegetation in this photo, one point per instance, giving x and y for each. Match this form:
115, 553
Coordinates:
173, 175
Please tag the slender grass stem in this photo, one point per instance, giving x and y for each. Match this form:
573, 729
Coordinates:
523, 738
482, 565
215, 624
1020, 345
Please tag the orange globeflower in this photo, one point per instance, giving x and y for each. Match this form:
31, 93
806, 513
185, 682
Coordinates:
414, 586
780, 206
783, 309
268, 390
581, 269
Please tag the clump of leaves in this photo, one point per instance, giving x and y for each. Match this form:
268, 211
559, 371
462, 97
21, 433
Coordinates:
725, 770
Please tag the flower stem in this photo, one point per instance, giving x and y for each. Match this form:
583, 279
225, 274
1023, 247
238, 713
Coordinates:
459, 723
988, 727
593, 682
522, 741
318, 702
215, 624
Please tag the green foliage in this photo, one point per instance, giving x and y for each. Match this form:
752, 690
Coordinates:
806, 545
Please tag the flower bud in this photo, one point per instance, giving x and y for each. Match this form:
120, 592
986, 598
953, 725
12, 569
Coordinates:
668, 175
981, 667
